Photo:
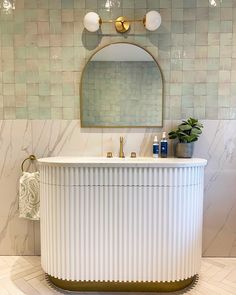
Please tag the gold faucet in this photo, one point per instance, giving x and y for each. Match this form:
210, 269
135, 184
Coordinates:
121, 152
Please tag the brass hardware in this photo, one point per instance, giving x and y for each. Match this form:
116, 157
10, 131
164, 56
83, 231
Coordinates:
109, 155
121, 151
133, 155
112, 286
94, 19
144, 21
31, 158
122, 24
83, 125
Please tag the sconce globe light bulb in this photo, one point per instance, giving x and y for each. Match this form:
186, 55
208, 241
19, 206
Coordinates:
92, 21
152, 20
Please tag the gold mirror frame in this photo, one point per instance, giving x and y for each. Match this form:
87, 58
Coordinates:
82, 76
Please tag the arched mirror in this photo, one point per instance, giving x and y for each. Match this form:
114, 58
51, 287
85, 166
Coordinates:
121, 86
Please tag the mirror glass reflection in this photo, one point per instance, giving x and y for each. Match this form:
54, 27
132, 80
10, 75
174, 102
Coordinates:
121, 86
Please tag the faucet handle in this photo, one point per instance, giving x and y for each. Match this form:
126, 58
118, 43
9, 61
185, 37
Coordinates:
109, 155
133, 155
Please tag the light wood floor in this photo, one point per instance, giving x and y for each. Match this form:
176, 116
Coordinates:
23, 275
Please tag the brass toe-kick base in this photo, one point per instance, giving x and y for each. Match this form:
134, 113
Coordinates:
92, 286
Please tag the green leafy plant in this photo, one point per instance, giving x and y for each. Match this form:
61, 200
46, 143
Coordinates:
187, 131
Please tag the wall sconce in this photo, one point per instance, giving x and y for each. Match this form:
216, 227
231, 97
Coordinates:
151, 21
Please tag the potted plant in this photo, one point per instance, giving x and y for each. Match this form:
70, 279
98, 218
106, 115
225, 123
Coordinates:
186, 133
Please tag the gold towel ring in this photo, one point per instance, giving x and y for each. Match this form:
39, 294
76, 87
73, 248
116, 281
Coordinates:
31, 158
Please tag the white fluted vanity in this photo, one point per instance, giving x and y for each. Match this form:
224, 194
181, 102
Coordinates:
121, 224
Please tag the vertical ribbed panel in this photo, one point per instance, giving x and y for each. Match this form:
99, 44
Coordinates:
121, 224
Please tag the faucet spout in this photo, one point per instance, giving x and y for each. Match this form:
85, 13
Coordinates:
121, 151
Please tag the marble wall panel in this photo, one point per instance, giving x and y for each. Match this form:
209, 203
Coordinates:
218, 146
16, 235
19, 138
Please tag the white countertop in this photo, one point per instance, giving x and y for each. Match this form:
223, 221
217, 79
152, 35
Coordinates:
119, 162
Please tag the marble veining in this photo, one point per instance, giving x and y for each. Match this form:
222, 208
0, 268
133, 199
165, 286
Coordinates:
218, 146
19, 138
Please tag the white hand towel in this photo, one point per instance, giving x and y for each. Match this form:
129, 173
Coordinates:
29, 196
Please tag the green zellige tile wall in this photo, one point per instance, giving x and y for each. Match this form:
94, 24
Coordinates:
43, 49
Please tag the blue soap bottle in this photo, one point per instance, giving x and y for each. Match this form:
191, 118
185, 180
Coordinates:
164, 146
155, 148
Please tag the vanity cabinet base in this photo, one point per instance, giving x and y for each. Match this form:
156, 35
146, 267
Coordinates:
94, 286
121, 228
